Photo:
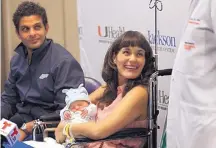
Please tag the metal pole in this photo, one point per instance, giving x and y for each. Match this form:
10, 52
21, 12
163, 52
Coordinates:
154, 132
151, 106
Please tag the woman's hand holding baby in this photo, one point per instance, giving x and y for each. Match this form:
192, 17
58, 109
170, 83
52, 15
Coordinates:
60, 137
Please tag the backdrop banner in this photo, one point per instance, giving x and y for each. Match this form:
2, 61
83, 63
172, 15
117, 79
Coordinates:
101, 22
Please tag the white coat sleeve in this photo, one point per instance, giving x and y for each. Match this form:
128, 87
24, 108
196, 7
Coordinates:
213, 14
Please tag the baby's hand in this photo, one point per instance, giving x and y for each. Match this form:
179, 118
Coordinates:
84, 113
67, 115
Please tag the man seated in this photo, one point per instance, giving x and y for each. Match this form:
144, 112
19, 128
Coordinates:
39, 71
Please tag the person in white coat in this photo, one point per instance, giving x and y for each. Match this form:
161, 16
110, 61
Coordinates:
191, 119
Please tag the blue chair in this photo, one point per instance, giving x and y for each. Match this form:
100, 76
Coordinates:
91, 84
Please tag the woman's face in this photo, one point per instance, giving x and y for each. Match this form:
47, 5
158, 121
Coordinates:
130, 62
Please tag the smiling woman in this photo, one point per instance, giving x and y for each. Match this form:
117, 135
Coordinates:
130, 62
122, 101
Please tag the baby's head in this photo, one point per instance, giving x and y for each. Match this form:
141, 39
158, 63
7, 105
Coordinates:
78, 105
77, 98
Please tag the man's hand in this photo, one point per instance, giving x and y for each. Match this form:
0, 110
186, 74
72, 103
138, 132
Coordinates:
29, 126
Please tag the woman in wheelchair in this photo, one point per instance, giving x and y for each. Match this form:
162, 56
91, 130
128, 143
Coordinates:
122, 101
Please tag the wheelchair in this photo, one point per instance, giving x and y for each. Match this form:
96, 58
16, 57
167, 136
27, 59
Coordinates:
150, 133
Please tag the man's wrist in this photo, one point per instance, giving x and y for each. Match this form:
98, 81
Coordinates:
24, 128
27, 127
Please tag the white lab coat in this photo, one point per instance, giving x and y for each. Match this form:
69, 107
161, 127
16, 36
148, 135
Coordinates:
191, 119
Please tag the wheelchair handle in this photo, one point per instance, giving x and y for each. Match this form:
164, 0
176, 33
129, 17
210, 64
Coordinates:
164, 72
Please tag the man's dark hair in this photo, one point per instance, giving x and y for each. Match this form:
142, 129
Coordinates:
28, 8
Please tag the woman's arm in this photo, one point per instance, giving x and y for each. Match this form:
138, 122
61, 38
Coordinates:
97, 94
132, 106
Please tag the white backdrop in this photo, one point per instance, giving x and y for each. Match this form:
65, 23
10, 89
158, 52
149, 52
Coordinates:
100, 22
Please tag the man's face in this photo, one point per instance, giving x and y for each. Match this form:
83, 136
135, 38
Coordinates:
32, 31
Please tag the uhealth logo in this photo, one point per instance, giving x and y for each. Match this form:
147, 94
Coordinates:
163, 100
165, 43
109, 33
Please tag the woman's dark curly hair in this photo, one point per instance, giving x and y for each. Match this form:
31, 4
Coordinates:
110, 71
28, 8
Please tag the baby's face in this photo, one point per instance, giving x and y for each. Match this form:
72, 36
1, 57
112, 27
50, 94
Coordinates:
78, 105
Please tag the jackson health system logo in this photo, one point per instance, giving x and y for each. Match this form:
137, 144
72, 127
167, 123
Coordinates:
165, 43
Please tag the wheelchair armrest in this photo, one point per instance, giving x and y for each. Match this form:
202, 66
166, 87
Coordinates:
50, 117
126, 133
164, 72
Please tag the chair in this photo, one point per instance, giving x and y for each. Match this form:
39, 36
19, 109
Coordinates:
91, 84
151, 131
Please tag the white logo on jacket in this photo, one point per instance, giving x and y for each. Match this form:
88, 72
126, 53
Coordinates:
43, 76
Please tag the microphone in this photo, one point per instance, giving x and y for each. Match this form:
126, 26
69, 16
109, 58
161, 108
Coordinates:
9, 132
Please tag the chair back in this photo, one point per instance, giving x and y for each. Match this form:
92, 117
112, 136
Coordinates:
91, 84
